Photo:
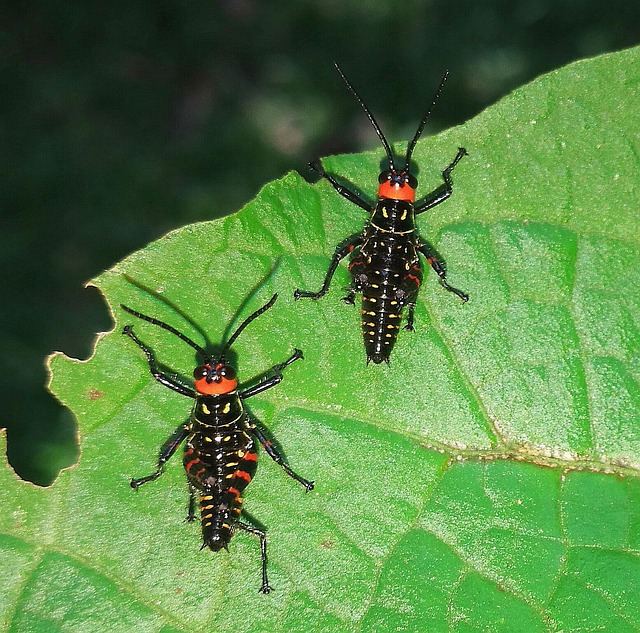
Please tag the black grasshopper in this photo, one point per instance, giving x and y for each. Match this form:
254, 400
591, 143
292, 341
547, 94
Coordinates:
219, 457
385, 264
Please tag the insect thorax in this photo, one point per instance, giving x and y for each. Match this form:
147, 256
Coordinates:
218, 410
393, 216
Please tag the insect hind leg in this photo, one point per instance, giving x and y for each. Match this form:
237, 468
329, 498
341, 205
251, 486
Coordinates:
265, 588
193, 500
410, 310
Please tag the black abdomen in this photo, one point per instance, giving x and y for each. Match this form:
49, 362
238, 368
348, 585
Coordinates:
388, 273
220, 461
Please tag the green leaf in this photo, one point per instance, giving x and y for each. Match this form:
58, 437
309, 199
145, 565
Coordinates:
469, 486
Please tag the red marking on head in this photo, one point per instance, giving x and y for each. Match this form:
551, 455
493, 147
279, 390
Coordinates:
215, 387
395, 191
242, 475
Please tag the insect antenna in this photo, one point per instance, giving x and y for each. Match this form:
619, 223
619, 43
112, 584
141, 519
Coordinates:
376, 127
424, 120
246, 322
169, 328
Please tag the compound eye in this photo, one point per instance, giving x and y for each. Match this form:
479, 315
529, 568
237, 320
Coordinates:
200, 372
228, 372
412, 181
384, 176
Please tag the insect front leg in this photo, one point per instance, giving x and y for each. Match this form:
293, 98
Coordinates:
263, 552
444, 191
342, 251
345, 192
440, 269
297, 355
168, 449
276, 457
272, 381
160, 376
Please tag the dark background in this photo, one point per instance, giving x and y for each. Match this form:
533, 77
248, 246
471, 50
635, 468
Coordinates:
121, 121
